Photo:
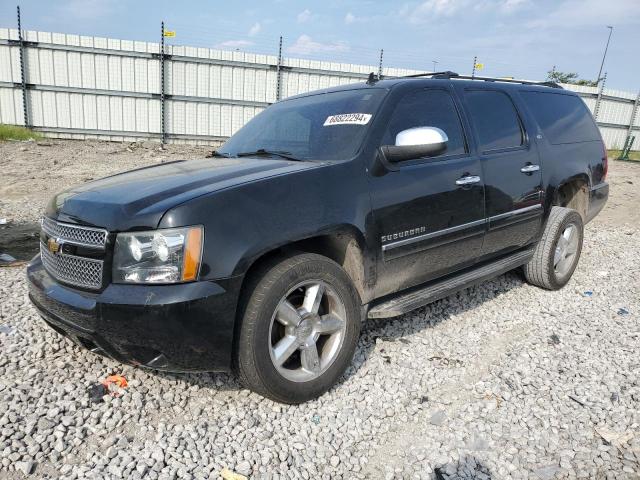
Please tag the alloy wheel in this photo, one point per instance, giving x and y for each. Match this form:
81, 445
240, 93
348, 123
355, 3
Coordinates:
566, 250
307, 331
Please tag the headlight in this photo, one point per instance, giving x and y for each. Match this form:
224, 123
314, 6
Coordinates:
171, 255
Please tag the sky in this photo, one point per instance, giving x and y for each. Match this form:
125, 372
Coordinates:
517, 38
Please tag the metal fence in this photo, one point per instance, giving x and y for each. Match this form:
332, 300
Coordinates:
71, 86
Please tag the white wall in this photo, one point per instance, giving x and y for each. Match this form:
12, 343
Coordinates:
93, 87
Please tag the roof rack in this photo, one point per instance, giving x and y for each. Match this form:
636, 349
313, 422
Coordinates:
445, 74
449, 75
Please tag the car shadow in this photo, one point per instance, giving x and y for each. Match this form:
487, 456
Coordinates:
389, 329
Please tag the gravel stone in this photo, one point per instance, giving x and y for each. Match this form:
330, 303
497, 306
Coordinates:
438, 418
477, 388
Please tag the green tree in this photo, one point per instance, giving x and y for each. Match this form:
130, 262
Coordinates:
568, 77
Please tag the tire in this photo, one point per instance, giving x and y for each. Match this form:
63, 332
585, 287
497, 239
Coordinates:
555, 257
274, 347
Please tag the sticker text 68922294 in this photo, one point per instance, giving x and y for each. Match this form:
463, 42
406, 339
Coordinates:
348, 119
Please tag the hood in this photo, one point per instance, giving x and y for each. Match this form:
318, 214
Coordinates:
139, 198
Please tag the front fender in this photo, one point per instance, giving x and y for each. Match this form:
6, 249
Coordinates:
243, 222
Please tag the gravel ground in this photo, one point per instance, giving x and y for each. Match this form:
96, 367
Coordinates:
503, 380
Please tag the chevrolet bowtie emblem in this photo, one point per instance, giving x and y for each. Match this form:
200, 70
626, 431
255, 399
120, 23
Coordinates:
53, 245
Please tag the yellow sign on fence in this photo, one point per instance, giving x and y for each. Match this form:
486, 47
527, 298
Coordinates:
479, 66
169, 33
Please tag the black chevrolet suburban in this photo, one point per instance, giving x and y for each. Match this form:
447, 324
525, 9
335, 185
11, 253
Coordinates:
361, 201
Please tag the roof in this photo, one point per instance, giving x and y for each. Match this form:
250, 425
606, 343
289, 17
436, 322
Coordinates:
440, 78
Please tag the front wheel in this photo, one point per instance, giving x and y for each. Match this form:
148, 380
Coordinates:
300, 321
558, 251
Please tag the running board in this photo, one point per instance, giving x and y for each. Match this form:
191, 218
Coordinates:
406, 302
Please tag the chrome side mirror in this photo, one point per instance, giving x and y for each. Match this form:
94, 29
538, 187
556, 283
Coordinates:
415, 143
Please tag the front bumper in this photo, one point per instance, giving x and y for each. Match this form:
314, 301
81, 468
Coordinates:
598, 196
183, 327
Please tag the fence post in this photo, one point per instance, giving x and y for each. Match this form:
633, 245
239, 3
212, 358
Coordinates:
475, 62
596, 109
380, 64
23, 74
278, 70
634, 113
162, 113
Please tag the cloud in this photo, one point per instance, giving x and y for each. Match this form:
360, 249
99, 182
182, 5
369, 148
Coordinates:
255, 29
509, 6
233, 44
589, 13
349, 18
305, 45
304, 16
437, 9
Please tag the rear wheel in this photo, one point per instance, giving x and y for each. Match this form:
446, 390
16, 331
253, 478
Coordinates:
558, 251
299, 328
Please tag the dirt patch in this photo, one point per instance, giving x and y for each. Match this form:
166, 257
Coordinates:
623, 206
21, 240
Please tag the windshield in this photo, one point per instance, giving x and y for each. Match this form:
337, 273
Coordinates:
327, 126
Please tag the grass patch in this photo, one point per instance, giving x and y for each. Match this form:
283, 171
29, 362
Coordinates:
14, 132
633, 155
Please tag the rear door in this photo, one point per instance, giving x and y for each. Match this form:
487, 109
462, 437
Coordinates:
511, 170
429, 219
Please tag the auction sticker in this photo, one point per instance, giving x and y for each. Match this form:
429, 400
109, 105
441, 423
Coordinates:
348, 119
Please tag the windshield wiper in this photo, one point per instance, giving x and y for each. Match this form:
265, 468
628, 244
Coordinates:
218, 154
277, 153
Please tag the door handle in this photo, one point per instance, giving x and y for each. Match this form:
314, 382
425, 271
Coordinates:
467, 180
530, 168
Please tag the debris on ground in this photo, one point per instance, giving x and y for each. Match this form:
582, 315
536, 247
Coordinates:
96, 392
316, 419
115, 385
444, 361
623, 311
614, 438
227, 474
554, 340
7, 260
587, 293
577, 400
3, 221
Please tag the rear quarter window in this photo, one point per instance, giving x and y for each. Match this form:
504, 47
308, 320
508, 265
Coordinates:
562, 118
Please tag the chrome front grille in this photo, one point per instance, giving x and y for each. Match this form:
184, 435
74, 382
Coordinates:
75, 234
60, 248
80, 271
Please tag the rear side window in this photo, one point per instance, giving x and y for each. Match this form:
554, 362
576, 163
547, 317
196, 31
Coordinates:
427, 108
495, 119
562, 118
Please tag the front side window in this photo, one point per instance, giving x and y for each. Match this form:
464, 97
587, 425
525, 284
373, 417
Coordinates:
427, 108
495, 119
326, 126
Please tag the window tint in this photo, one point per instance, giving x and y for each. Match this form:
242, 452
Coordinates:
495, 119
562, 118
427, 108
